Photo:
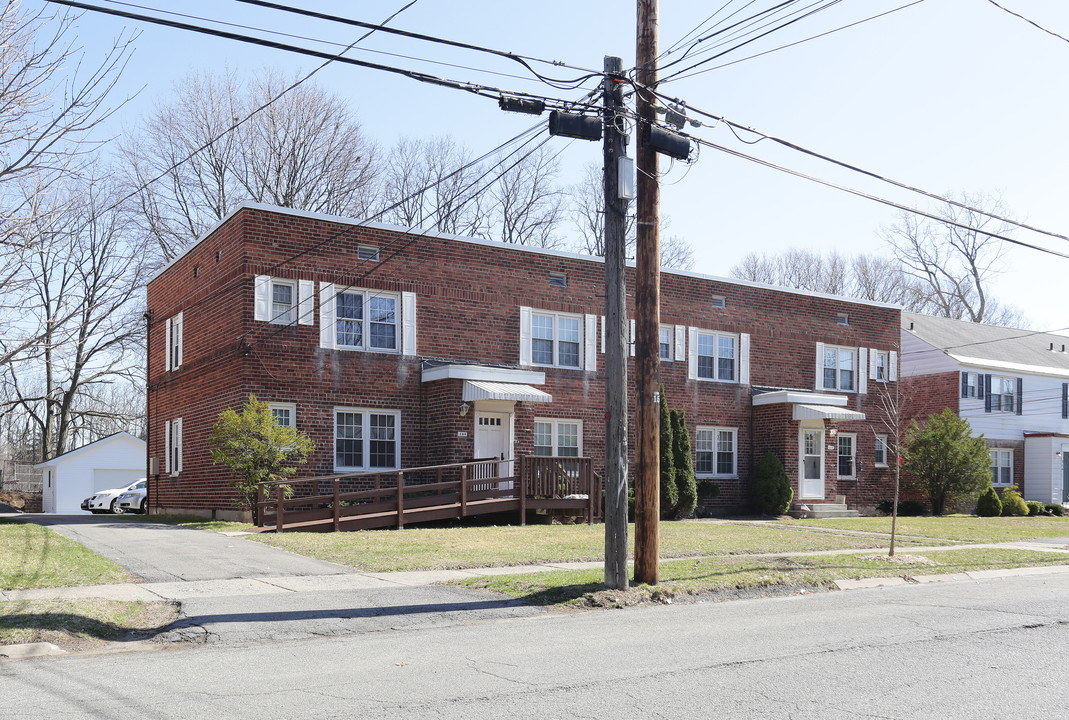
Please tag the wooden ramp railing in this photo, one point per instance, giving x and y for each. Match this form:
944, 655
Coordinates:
390, 498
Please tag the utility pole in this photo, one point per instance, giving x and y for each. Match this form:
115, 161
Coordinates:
647, 306
615, 226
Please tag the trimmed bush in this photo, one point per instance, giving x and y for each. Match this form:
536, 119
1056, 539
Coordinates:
988, 504
770, 489
1035, 508
669, 489
1013, 503
1055, 509
906, 508
684, 465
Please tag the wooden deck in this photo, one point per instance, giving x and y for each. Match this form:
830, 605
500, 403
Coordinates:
413, 495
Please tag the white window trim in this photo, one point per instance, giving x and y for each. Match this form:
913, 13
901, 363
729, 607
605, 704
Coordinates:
880, 439
1002, 409
328, 328
292, 407
366, 414
303, 300
172, 442
734, 451
860, 361
890, 368
556, 422
586, 339
174, 342
738, 363
365, 332
996, 456
670, 329
853, 455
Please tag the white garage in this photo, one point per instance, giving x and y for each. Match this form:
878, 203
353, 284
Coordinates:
111, 462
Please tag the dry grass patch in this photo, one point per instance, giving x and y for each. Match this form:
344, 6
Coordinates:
473, 547
82, 624
956, 528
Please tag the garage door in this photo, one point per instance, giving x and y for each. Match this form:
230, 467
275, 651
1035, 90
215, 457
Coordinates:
108, 479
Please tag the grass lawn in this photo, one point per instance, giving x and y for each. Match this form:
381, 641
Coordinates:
958, 528
190, 521
724, 578
472, 547
81, 624
32, 556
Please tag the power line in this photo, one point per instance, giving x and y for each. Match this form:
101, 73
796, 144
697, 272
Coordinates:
876, 198
798, 42
877, 176
521, 59
1030, 22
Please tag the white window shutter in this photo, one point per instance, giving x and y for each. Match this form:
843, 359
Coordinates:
892, 372
591, 341
327, 326
862, 362
306, 302
167, 446
262, 294
525, 336
602, 334
167, 330
744, 358
408, 323
178, 446
631, 342
681, 342
179, 343
872, 363
692, 353
820, 366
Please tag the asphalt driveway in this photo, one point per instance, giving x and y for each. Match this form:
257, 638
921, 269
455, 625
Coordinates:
166, 553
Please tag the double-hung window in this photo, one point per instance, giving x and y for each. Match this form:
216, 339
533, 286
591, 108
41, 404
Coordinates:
847, 448
880, 453
174, 343
715, 452
1001, 467
665, 340
285, 414
283, 301
882, 365
366, 320
717, 357
840, 368
1002, 391
560, 438
556, 339
970, 385
172, 439
366, 439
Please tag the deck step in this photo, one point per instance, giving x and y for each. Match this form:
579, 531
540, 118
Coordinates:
821, 510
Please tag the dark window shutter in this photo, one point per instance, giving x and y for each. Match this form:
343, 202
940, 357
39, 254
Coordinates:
986, 385
1020, 395
1065, 400
980, 386
965, 384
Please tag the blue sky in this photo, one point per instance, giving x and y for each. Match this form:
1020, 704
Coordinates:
946, 95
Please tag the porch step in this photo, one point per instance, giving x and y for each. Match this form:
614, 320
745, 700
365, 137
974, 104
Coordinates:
821, 510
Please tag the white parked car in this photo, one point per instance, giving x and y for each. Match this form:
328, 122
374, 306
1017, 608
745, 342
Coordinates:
107, 501
135, 500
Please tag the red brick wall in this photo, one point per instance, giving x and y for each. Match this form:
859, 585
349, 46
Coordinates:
468, 299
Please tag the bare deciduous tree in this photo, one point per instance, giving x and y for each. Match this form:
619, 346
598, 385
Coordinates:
304, 150
81, 299
955, 265
527, 204
588, 215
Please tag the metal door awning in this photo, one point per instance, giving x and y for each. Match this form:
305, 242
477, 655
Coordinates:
486, 390
824, 412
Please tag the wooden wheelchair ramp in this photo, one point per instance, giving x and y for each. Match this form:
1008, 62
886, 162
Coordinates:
395, 498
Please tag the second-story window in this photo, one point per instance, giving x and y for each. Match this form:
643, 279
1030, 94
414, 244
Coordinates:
283, 302
717, 356
1002, 390
666, 342
366, 320
556, 339
840, 365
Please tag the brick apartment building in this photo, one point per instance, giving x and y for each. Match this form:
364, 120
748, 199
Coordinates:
392, 349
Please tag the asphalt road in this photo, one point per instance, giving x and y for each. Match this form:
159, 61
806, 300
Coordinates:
962, 649
165, 553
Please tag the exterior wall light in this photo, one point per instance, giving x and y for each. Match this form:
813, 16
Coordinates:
464, 407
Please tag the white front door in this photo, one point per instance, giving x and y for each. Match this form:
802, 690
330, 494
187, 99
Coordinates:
811, 464
493, 439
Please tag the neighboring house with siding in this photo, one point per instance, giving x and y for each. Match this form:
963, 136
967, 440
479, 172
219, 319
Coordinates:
114, 461
1012, 386
392, 349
